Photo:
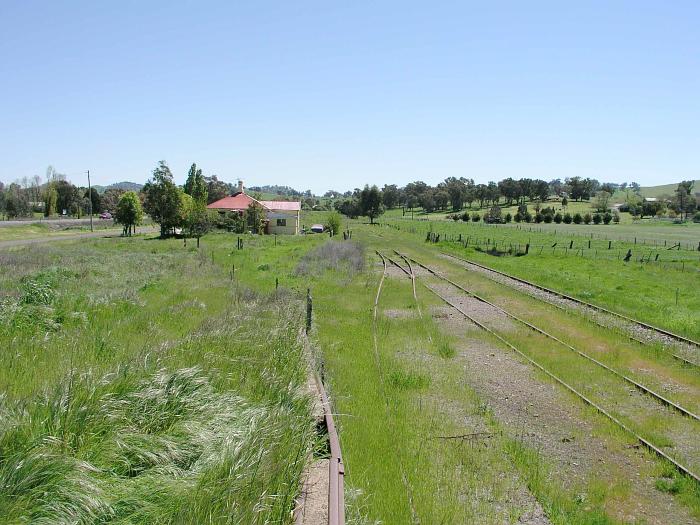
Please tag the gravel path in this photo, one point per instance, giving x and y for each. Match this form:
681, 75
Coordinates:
548, 420
601, 318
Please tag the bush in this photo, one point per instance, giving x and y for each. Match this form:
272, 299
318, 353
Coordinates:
696, 217
567, 218
616, 218
465, 216
539, 217
476, 217
577, 218
597, 218
493, 216
548, 218
508, 217
607, 218
454, 217
587, 218
333, 222
527, 217
518, 217
558, 218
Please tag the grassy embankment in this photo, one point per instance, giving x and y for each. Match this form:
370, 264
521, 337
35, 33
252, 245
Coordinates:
646, 291
140, 385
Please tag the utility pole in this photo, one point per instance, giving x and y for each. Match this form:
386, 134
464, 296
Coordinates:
90, 197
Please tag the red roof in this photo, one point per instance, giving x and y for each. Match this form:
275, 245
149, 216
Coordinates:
242, 201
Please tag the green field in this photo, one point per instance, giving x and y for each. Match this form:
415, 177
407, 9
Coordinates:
146, 382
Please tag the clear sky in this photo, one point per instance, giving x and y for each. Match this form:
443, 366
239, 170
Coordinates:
320, 95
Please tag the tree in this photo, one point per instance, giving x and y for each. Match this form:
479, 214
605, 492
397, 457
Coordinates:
199, 220
371, 203
128, 212
110, 199
50, 199
427, 201
163, 199
390, 196
684, 201
602, 201
457, 191
195, 185
95, 200
255, 218
217, 189
541, 189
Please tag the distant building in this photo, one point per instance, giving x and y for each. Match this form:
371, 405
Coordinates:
282, 217
650, 199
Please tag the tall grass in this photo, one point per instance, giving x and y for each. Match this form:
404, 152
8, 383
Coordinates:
171, 401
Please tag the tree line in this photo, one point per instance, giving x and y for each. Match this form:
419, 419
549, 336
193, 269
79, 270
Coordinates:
455, 194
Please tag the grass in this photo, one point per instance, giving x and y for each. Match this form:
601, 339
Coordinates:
646, 291
140, 385
37, 230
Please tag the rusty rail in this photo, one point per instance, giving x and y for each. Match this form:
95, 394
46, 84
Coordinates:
645, 443
653, 328
336, 469
658, 397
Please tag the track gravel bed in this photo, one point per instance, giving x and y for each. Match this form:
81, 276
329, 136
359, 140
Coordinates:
546, 419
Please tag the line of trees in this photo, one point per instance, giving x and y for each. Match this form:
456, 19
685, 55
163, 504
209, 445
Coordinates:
456, 194
54, 195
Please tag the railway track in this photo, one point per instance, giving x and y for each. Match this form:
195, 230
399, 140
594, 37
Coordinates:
646, 326
644, 442
380, 371
658, 397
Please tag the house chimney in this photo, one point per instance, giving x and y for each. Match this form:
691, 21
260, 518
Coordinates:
240, 186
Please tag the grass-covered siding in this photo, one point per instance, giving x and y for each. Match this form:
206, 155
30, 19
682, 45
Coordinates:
139, 385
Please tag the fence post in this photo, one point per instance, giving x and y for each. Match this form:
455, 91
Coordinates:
309, 309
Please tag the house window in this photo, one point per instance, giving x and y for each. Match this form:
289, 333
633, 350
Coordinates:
281, 222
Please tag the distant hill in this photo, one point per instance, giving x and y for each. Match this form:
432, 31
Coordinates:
655, 191
127, 186
665, 189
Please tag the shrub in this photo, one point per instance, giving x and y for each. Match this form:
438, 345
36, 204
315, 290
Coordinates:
577, 218
455, 217
539, 217
333, 222
567, 218
616, 218
607, 218
587, 218
597, 218
518, 217
548, 218
476, 217
493, 216
527, 217
696, 217
508, 217
558, 217
465, 216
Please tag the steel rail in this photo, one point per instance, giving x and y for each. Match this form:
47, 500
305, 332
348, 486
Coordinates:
563, 308
648, 326
658, 397
648, 445
336, 469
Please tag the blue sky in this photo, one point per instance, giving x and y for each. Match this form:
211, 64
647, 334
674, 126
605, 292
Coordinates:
321, 95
